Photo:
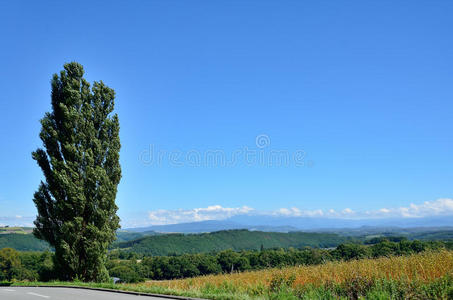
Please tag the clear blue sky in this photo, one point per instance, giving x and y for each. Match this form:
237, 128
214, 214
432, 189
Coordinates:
364, 88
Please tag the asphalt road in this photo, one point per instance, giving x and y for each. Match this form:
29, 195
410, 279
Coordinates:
42, 293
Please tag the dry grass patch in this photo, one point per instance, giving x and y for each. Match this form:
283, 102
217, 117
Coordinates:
422, 267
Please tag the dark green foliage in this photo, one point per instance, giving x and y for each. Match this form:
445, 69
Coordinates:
40, 264
76, 203
9, 264
384, 248
352, 251
228, 239
230, 261
30, 266
384, 238
22, 242
126, 273
12, 267
187, 265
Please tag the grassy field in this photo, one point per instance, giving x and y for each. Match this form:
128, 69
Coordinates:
427, 275
17, 230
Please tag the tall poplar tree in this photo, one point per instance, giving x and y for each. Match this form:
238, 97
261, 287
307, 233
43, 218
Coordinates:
80, 161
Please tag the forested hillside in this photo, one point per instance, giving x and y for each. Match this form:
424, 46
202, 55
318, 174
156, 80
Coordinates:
22, 242
124, 235
230, 239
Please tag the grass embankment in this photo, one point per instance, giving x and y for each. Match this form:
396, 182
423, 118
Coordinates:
427, 275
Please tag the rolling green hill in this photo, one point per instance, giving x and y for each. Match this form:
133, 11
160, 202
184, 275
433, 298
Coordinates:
125, 235
21, 239
22, 242
230, 239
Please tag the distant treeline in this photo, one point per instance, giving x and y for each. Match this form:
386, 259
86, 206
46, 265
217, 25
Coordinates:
33, 266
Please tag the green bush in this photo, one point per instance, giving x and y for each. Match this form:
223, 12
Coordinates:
126, 274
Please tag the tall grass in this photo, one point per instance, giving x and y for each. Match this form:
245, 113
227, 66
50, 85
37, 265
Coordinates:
381, 276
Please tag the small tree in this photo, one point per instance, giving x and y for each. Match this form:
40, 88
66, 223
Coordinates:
76, 202
10, 264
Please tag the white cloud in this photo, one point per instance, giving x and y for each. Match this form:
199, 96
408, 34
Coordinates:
426, 209
347, 211
17, 220
438, 207
215, 212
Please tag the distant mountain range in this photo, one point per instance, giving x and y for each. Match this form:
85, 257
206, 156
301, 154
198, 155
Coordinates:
209, 226
282, 224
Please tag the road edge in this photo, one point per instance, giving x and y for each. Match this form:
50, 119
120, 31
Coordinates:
113, 291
